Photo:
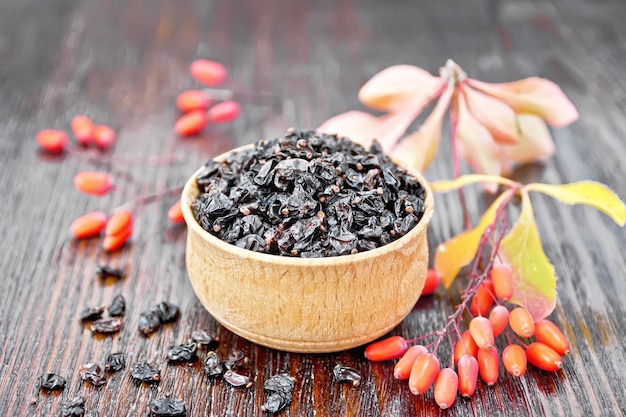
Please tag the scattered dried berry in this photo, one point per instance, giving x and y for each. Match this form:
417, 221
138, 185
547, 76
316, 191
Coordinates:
104, 137
74, 407
91, 313
224, 112
51, 382
145, 372
83, 129
213, 365
88, 225
93, 373
280, 389
191, 100
183, 353
167, 312
237, 380
103, 271
115, 362
344, 373
93, 182
52, 140
207, 72
167, 407
235, 359
149, 322
202, 337
107, 325
118, 306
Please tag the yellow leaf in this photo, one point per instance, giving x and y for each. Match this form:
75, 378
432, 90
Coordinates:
534, 279
459, 251
590, 193
444, 186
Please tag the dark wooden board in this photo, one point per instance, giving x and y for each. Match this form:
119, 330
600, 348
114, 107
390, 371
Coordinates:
294, 64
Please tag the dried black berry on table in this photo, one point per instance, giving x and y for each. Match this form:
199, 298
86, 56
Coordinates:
51, 382
167, 312
149, 322
213, 365
235, 359
93, 373
91, 313
280, 389
108, 325
310, 195
203, 337
118, 306
344, 373
183, 353
115, 362
145, 372
237, 380
167, 407
103, 271
74, 407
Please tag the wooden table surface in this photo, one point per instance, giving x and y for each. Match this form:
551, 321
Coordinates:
123, 62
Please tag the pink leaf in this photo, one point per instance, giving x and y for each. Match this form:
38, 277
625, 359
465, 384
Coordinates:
419, 149
535, 143
396, 87
533, 95
499, 119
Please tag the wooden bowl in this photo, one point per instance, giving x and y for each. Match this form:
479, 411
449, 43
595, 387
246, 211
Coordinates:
306, 305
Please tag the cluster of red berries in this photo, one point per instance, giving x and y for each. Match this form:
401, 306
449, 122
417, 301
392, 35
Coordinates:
197, 105
85, 131
539, 343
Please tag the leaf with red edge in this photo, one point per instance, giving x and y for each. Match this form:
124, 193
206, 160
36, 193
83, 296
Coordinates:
455, 253
418, 149
499, 119
534, 279
535, 142
533, 95
399, 86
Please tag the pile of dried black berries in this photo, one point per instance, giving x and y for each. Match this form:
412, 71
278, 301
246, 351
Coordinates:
308, 194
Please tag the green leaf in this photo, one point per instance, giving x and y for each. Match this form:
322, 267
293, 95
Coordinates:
590, 193
534, 279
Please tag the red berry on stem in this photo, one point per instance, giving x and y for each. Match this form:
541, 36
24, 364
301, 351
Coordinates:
499, 319
111, 243
52, 140
88, 225
514, 360
390, 348
224, 112
402, 370
543, 357
548, 333
483, 300
175, 213
488, 365
446, 385
207, 72
465, 346
521, 322
104, 136
423, 373
83, 129
431, 283
119, 222
482, 332
93, 182
191, 123
502, 278
468, 375
191, 100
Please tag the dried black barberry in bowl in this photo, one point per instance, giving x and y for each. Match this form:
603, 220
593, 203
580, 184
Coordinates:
349, 224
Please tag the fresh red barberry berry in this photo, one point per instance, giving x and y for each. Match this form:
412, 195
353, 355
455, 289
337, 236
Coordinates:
118, 222
207, 72
514, 360
104, 137
88, 225
502, 278
191, 123
521, 322
175, 213
111, 243
446, 385
390, 348
52, 140
482, 332
499, 319
483, 300
93, 182
543, 357
465, 346
224, 112
488, 365
83, 129
191, 100
423, 373
402, 369
548, 333
431, 283
468, 375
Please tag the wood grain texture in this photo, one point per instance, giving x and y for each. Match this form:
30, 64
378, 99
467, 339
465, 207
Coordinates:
293, 64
